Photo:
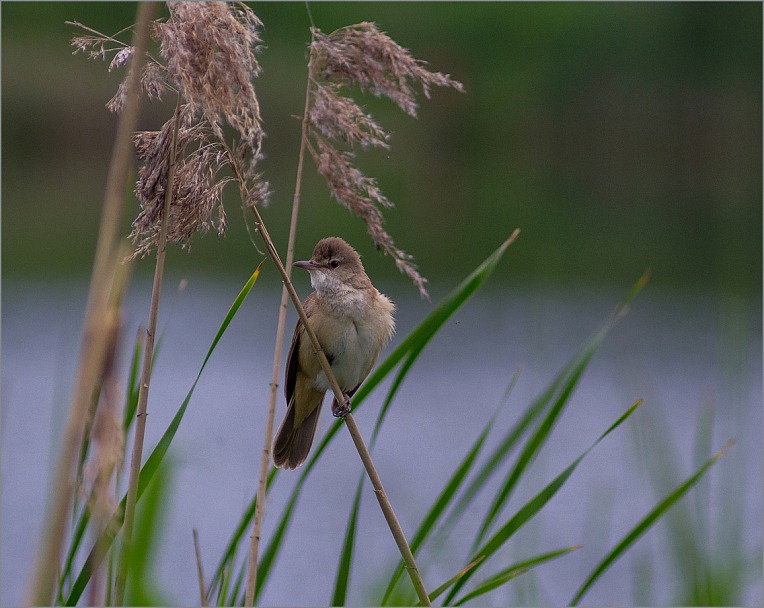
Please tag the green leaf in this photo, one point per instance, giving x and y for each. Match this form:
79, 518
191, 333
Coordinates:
506, 575
568, 380
573, 369
433, 595
264, 567
532, 448
238, 587
440, 505
346, 557
645, 524
154, 460
500, 453
241, 530
533, 506
131, 405
140, 588
133, 383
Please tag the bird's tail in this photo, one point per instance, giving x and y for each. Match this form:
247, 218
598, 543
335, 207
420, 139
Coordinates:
292, 444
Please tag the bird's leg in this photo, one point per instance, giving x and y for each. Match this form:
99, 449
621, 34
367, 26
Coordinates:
340, 411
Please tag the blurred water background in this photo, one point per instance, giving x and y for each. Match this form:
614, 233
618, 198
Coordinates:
618, 137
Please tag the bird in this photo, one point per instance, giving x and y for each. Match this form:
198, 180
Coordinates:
353, 322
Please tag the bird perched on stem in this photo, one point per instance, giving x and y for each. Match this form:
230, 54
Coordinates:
353, 322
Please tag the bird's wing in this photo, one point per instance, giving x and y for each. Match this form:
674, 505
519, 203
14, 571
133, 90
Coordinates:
292, 364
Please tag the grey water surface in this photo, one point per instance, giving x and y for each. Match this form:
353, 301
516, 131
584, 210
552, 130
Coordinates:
689, 356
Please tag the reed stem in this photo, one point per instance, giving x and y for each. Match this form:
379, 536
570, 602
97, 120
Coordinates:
143, 394
93, 347
277, 351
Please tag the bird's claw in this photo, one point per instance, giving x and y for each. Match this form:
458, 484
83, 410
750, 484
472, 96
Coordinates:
340, 411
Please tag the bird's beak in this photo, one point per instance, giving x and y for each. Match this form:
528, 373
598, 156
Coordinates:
306, 265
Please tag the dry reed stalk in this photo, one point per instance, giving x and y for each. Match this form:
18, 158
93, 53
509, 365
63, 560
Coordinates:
93, 348
265, 457
148, 351
107, 436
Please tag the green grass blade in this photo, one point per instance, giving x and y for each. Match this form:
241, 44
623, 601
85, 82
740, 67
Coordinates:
506, 575
131, 405
399, 377
346, 557
436, 318
440, 505
532, 448
133, 386
157, 455
140, 589
418, 337
154, 460
240, 532
533, 506
497, 457
77, 535
643, 526
221, 598
433, 595
269, 555
224, 582
238, 587
568, 379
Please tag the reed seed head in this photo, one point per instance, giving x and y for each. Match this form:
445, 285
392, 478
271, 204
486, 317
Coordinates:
197, 187
210, 50
362, 55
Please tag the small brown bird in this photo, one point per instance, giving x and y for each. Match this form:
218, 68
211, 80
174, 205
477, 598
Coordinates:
352, 321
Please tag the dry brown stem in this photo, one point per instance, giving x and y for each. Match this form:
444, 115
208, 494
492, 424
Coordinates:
265, 456
143, 393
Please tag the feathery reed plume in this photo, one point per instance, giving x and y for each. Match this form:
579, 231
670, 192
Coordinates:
197, 188
210, 52
207, 55
362, 55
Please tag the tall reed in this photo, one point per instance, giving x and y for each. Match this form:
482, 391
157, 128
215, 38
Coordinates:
93, 348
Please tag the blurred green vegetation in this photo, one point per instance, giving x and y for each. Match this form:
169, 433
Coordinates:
616, 136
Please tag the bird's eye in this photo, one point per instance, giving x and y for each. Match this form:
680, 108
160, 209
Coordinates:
334, 263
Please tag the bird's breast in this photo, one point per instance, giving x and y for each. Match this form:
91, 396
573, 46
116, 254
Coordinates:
352, 344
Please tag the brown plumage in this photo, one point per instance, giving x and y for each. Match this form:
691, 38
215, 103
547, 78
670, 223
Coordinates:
353, 322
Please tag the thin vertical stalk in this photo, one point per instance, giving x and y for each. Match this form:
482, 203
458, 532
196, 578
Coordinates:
265, 458
384, 502
143, 394
93, 347
199, 570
